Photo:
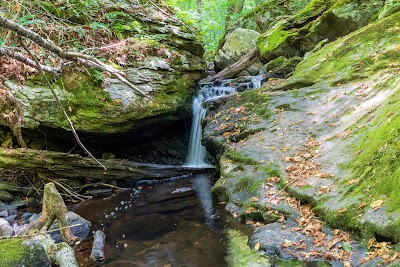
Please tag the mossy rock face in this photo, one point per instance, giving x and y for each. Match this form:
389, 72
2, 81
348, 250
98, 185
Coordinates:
390, 7
264, 16
163, 58
357, 55
22, 253
342, 18
278, 42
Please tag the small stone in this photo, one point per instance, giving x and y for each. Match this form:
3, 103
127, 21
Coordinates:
5, 196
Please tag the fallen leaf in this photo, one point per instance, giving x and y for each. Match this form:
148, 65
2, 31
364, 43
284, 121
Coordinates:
376, 205
257, 246
362, 205
346, 247
341, 210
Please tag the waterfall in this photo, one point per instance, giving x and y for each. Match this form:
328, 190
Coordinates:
256, 80
197, 152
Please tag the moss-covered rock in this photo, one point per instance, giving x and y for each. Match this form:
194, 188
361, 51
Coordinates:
341, 18
19, 252
236, 44
345, 95
278, 42
357, 55
390, 7
158, 55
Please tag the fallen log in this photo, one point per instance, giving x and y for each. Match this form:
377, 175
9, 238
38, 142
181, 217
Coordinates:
245, 62
97, 255
63, 165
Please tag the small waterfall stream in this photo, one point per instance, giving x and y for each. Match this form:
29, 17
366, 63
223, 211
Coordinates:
197, 152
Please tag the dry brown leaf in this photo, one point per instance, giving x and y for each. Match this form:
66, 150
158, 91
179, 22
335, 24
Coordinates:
377, 204
257, 246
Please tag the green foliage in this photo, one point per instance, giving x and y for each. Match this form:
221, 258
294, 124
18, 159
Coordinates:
30, 20
212, 21
98, 25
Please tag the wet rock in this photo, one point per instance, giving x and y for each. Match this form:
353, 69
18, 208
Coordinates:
3, 213
5, 228
81, 228
18, 202
5, 196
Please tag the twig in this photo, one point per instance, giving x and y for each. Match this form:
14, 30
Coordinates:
70, 193
71, 125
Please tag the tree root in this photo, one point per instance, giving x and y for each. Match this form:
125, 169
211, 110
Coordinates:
53, 208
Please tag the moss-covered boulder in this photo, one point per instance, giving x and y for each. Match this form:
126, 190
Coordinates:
22, 253
236, 44
157, 53
340, 19
278, 42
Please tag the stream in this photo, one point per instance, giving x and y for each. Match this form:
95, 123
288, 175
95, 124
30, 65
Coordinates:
174, 222
170, 223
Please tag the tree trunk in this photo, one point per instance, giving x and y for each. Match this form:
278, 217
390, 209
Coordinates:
237, 67
235, 7
62, 165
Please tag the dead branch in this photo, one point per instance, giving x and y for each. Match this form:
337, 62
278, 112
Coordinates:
10, 52
85, 60
97, 255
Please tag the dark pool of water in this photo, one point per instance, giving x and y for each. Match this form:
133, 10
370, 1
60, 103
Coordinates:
172, 223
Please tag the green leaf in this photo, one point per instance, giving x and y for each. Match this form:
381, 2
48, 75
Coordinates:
99, 25
1, 41
346, 247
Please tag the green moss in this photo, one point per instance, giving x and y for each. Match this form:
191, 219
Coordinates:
14, 253
377, 166
239, 253
274, 42
356, 55
310, 11
243, 184
238, 157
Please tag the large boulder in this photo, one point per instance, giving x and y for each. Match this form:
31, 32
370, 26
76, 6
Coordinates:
340, 19
236, 44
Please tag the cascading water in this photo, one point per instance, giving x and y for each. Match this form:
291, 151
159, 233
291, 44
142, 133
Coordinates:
197, 152
256, 81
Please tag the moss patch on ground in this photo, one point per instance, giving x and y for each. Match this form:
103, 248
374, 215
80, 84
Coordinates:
377, 164
240, 254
